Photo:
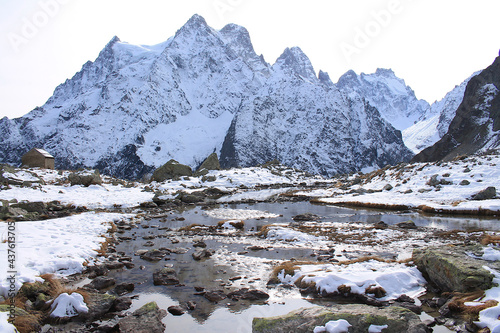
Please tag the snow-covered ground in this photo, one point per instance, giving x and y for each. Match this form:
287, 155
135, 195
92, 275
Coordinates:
59, 246
411, 185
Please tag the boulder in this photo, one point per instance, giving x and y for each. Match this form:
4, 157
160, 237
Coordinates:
486, 194
165, 276
406, 225
146, 319
211, 163
101, 282
85, 178
171, 170
451, 269
361, 317
202, 253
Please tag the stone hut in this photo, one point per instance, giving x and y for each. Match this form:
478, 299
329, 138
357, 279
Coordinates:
38, 158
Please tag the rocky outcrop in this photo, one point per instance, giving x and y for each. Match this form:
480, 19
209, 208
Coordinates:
451, 269
171, 170
147, 319
211, 163
361, 317
476, 126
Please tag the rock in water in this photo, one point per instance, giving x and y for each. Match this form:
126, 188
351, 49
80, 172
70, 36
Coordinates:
359, 316
147, 319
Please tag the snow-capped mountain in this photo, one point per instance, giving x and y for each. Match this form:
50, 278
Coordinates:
136, 107
476, 125
395, 100
307, 123
435, 122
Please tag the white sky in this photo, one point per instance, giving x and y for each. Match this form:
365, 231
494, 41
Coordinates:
432, 45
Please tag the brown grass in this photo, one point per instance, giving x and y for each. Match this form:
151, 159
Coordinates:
490, 239
289, 267
458, 300
191, 227
103, 250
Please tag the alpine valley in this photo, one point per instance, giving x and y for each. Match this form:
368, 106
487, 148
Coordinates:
202, 91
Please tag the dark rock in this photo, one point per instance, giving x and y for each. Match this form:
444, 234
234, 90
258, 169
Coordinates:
30, 207
97, 270
165, 276
149, 204
190, 305
99, 305
124, 288
192, 198
215, 295
387, 187
85, 178
202, 253
381, 225
464, 182
406, 225
486, 194
121, 304
306, 217
147, 319
359, 316
176, 310
153, 255
171, 170
211, 163
256, 248
451, 269
114, 265
248, 294
102, 282
200, 244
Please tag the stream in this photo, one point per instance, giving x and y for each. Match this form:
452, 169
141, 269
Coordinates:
234, 265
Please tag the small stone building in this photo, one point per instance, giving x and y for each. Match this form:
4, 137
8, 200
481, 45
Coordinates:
38, 158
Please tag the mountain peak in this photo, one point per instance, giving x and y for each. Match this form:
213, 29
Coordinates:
195, 23
294, 59
237, 36
386, 72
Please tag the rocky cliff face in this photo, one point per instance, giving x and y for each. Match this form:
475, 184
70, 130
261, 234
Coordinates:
204, 91
476, 125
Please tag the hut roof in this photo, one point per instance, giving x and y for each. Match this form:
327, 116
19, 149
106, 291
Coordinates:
44, 153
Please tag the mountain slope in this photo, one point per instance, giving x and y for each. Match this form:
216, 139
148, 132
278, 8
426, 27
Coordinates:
435, 122
395, 101
476, 125
136, 107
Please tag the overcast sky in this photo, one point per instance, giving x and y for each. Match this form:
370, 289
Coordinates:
432, 45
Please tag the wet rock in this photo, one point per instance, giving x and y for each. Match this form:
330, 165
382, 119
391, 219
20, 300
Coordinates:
248, 294
85, 178
101, 282
114, 265
215, 295
360, 317
191, 198
202, 253
153, 255
121, 304
124, 288
99, 305
165, 276
171, 170
406, 225
176, 310
451, 269
486, 194
147, 319
381, 225
306, 217
256, 248
190, 305
178, 250
200, 244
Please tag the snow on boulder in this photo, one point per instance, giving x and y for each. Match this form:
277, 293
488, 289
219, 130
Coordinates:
385, 281
334, 326
68, 305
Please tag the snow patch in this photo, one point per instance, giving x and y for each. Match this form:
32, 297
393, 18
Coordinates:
68, 305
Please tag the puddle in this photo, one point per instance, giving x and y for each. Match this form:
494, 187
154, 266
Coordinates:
234, 266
